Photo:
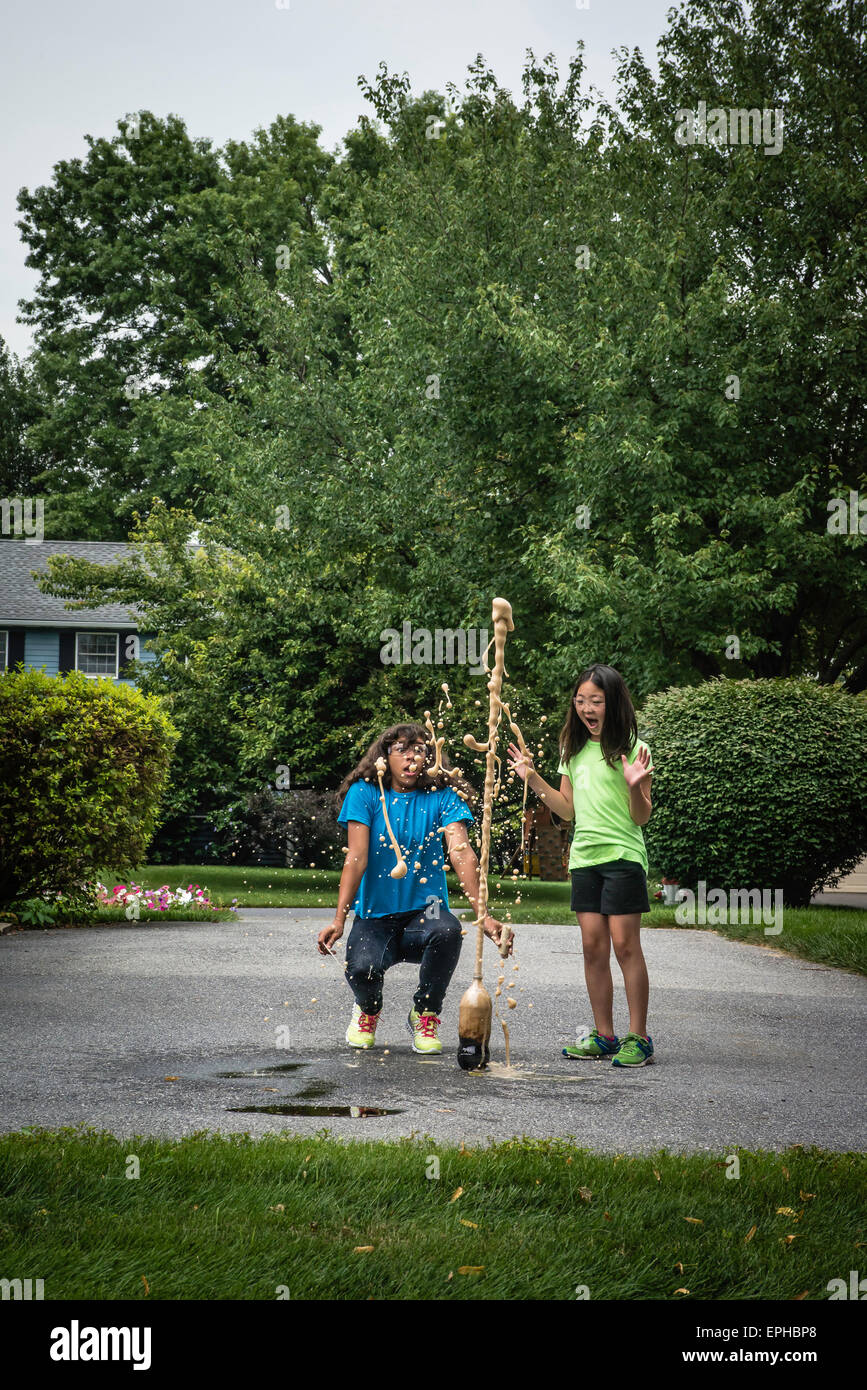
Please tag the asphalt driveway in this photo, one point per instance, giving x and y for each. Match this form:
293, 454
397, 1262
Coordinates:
180, 1027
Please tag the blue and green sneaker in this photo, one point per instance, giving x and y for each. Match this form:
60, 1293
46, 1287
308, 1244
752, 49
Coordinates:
592, 1044
634, 1051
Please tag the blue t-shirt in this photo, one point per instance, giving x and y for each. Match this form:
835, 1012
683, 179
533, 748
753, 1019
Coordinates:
417, 819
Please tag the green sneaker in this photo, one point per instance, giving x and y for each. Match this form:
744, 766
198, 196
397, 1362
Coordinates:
424, 1029
362, 1028
634, 1051
592, 1044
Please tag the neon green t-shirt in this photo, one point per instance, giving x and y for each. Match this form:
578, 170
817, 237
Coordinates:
604, 829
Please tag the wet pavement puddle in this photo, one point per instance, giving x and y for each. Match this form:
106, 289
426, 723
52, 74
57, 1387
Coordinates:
303, 1102
265, 1071
299, 1103
500, 1072
349, 1112
315, 1090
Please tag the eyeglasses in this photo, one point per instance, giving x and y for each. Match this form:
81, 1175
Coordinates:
420, 749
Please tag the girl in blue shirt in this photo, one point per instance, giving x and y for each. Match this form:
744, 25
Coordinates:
403, 919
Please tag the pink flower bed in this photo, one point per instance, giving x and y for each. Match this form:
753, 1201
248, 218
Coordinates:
155, 899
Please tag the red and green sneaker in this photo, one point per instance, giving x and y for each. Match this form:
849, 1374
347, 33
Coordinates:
362, 1028
424, 1029
593, 1045
634, 1051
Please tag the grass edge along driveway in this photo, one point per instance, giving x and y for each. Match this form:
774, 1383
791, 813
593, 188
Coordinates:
830, 936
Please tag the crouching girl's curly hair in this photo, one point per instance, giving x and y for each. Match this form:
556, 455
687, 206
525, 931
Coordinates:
406, 733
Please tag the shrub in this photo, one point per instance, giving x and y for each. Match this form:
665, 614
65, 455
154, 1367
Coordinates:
190, 839
287, 829
50, 909
757, 784
299, 826
83, 764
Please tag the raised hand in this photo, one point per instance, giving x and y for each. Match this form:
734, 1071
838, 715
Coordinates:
636, 771
521, 763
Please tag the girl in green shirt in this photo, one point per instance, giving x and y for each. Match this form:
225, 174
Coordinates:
605, 785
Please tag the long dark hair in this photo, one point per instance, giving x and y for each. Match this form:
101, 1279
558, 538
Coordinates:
409, 733
619, 728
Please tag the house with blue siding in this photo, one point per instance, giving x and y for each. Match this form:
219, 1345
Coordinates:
39, 631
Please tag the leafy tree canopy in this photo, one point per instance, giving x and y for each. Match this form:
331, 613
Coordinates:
531, 346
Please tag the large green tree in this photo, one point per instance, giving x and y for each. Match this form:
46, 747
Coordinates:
133, 248
20, 408
551, 353
725, 401
647, 352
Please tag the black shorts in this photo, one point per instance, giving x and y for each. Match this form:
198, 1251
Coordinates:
617, 888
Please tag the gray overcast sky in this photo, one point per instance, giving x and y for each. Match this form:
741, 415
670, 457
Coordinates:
229, 66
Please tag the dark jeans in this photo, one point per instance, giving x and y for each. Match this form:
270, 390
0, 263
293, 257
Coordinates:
376, 943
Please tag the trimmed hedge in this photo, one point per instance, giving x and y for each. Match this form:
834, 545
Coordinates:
757, 784
83, 764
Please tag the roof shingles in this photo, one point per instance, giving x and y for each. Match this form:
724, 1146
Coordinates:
22, 601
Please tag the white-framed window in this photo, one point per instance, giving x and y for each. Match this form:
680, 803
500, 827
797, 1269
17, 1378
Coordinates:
96, 653
4, 649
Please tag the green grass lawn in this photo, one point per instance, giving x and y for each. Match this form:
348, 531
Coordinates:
834, 936
233, 1217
